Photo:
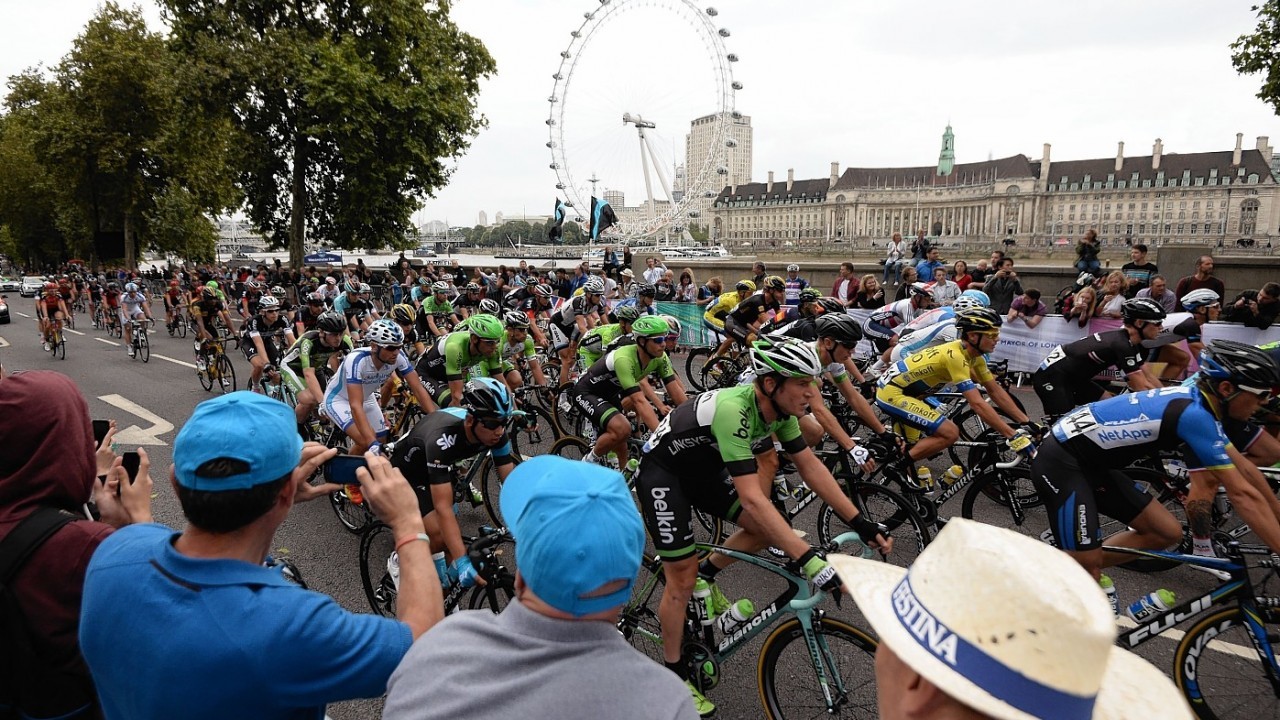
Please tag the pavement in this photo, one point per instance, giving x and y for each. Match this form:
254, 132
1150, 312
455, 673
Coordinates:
150, 402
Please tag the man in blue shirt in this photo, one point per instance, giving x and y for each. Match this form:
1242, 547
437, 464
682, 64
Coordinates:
192, 625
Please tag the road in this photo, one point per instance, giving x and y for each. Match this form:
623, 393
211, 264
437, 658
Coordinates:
154, 399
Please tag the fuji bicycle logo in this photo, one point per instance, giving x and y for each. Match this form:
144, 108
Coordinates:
447, 441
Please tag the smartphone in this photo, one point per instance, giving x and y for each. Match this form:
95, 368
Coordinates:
132, 460
100, 430
341, 469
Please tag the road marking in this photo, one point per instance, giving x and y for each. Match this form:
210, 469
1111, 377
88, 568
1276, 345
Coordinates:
22, 314
3, 343
109, 342
1247, 653
77, 332
134, 435
175, 362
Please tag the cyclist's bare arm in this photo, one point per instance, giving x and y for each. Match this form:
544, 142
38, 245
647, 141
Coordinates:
535, 369
1252, 504
645, 411
675, 391
652, 397
361, 429
431, 325
831, 426
986, 412
851, 368
1001, 398
1139, 380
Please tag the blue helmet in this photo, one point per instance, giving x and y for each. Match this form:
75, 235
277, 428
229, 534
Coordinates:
486, 397
983, 299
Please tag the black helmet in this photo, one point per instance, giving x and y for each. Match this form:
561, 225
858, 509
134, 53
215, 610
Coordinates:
831, 305
841, 327
1239, 364
646, 290
486, 397
979, 319
773, 282
1142, 309
331, 322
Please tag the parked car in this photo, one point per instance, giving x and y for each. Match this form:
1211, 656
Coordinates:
4, 309
31, 285
8, 284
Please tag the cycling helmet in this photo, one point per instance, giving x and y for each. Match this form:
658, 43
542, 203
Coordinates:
919, 289
316, 297
385, 333
472, 287
515, 319
423, 280
212, 284
980, 319
831, 305
841, 327
983, 299
404, 314
488, 306
745, 286
331, 322
966, 303
252, 285
314, 281
793, 268
809, 295
787, 357
131, 287
1142, 309
650, 326
673, 324
50, 286
542, 290
627, 313
208, 292
1240, 364
268, 302
485, 327
486, 397
364, 289
277, 291
113, 285
773, 282
439, 286
1197, 299
593, 286
645, 289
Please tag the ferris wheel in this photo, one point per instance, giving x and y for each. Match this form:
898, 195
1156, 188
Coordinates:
634, 76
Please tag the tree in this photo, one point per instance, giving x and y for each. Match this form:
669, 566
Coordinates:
27, 208
1257, 53
348, 109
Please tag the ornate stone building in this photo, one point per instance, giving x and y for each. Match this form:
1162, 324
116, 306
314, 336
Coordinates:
1190, 198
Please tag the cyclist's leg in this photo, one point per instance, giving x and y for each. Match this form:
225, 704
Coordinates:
1150, 524
669, 519
1069, 502
612, 427
939, 433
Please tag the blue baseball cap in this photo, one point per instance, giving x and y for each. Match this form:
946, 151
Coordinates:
576, 529
244, 428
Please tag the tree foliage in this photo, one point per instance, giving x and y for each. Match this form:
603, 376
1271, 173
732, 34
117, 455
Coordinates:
347, 109
1258, 52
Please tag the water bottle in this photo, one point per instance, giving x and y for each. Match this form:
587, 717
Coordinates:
1151, 604
953, 475
924, 479
702, 601
738, 613
393, 569
442, 568
1222, 502
354, 494
1109, 588
630, 470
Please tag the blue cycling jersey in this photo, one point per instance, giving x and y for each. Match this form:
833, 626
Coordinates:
1113, 433
341, 303
635, 302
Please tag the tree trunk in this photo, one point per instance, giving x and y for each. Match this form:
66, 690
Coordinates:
298, 218
130, 252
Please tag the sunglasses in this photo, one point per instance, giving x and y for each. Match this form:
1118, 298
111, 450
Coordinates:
489, 423
1263, 394
390, 347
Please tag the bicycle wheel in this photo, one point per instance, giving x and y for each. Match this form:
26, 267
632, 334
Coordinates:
226, 374
693, 366
1218, 671
992, 498
638, 621
60, 348
881, 505
206, 379
355, 517
536, 434
571, 447
180, 326
565, 414
720, 373
144, 347
376, 545
788, 678
971, 429
495, 596
491, 489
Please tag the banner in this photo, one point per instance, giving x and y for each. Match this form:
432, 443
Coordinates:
322, 258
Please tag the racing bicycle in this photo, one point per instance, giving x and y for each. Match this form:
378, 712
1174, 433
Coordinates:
485, 552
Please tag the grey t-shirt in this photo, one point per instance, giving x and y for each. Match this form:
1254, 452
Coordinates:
522, 664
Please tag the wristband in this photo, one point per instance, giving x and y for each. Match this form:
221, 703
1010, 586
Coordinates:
410, 538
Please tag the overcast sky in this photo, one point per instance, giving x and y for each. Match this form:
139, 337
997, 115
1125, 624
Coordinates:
864, 83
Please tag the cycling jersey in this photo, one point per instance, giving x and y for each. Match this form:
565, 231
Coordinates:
512, 353
719, 308
308, 317
358, 369
427, 455
565, 317
791, 292
310, 352
595, 341
618, 374
901, 312
905, 390
206, 312
750, 310
1065, 378
785, 316
112, 298
714, 433
51, 304
258, 327
935, 327
172, 298
450, 357
252, 298
516, 298
466, 301
64, 289
431, 307
131, 305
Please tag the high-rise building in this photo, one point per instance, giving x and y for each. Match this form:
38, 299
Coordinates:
736, 155
483, 220
616, 198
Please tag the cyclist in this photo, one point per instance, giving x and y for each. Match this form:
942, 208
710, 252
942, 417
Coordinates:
66, 290
259, 338
435, 311
428, 454
1204, 306
613, 381
205, 314
406, 317
313, 359
307, 316
111, 303
881, 325
133, 304
445, 365
287, 309
349, 398
807, 307
1065, 381
50, 310
935, 327
249, 299
536, 305
421, 291
173, 303
718, 309
741, 323
601, 338
94, 286
518, 350
643, 298
1078, 471
701, 457
572, 320
349, 303
795, 285
904, 392
468, 302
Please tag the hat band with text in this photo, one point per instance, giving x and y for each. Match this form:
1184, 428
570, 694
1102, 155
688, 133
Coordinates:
992, 676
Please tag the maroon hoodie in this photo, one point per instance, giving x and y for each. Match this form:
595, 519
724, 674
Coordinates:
47, 458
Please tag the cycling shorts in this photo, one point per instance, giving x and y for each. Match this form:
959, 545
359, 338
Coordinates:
291, 380
878, 335
339, 411
561, 338
736, 330
713, 327
919, 414
1060, 394
1241, 433
600, 410
438, 390
426, 505
135, 313
667, 501
1073, 497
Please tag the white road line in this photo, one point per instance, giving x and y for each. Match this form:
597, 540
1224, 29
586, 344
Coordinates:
175, 362
1247, 653
134, 435
22, 314
3, 343
77, 332
109, 342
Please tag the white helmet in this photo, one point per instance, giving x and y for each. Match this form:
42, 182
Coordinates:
385, 333
1199, 298
268, 302
965, 302
793, 268
594, 286
784, 356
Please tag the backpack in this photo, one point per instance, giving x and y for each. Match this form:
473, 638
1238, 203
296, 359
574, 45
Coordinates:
23, 674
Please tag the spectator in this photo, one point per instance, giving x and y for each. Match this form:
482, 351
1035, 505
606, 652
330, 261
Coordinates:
870, 295
1046, 649
1202, 278
1205, 306
626, 257
1028, 308
846, 285
1159, 291
1139, 273
628, 280
908, 276
925, 269
653, 270
793, 284
980, 273
554, 651
1112, 296
987, 269
49, 467
581, 274
893, 259
709, 292
687, 289
1080, 307
665, 287
758, 276
1255, 308
920, 250
610, 262
153, 596
944, 291
562, 284
1002, 287
610, 285
960, 274
1087, 253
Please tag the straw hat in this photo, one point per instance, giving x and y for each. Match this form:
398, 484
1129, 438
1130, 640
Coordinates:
1010, 627
627, 273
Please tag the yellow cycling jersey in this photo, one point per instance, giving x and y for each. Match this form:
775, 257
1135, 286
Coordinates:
934, 368
722, 306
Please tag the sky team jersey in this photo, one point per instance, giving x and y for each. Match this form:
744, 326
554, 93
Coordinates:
932, 369
449, 358
1094, 353
618, 374
714, 432
358, 369
436, 444
1114, 432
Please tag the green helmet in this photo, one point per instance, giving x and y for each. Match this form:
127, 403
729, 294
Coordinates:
650, 326
485, 327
